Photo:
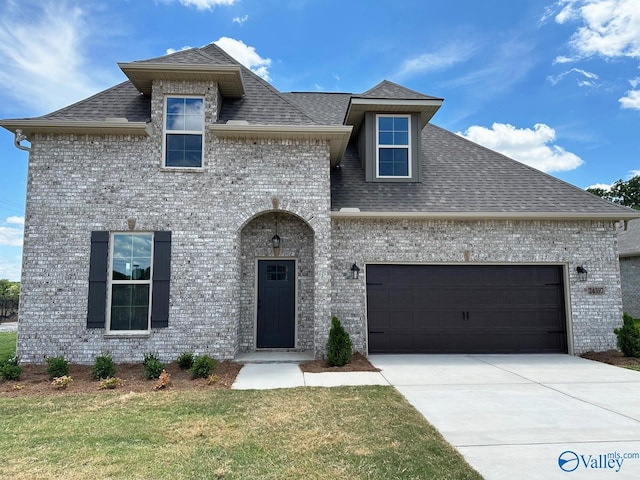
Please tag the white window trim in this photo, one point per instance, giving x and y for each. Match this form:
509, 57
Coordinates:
408, 146
166, 132
112, 282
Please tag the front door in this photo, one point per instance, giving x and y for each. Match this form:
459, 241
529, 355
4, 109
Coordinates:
276, 304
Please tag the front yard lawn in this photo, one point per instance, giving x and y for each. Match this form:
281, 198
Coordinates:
303, 433
7, 345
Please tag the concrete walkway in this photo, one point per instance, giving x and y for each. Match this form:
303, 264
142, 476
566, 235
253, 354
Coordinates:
264, 376
9, 327
512, 416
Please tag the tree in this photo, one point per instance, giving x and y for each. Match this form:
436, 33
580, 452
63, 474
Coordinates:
625, 193
9, 297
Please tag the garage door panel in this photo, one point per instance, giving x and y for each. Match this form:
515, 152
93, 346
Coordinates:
473, 309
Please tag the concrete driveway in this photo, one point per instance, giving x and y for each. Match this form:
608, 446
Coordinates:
527, 416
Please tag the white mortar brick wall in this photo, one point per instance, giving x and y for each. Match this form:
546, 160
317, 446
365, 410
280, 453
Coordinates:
592, 244
80, 183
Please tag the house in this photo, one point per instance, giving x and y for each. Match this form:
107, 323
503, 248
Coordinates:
629, 249
194, 207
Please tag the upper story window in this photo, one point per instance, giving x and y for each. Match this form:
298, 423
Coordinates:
393, 154
183, 132
130, 285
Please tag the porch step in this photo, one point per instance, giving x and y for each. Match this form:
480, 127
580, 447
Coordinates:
274, 357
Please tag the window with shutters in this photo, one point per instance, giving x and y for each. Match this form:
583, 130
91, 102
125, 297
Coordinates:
129, 281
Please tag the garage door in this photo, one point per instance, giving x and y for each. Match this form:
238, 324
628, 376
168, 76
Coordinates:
466, 309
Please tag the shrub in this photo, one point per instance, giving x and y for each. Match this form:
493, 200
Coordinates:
339, 345
164, 380
203, 366
110, 383
103, 367
628, 337
57, 367
61, 383
153, 367
10, 369
185, 360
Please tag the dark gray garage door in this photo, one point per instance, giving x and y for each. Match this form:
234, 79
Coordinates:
466, 309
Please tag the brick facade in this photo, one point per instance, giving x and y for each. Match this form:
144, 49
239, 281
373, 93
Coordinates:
592, 317
222, 217
81, 183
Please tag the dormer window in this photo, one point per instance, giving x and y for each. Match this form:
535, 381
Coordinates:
393, 151
183, 132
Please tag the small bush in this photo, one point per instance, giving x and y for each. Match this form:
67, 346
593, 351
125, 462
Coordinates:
339, 345
164, 380
203, 366
185, 360
61, 383
103, 367
212, 379
10, 369
628, 337
57, 367
110, 383
152, 366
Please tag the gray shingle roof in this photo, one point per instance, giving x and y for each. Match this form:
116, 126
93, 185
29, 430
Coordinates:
387, 89
262, 103
459, 176
121, 101
629, 239
324, 108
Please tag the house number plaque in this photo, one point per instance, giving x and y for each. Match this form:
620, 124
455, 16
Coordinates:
595, 290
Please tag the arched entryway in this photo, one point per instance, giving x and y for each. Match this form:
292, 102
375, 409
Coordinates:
276, 285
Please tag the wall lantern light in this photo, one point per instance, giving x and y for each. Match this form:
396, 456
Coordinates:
582, 273
275, 241
355, 271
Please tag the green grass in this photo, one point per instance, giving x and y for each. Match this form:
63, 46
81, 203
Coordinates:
7, 345
302, 433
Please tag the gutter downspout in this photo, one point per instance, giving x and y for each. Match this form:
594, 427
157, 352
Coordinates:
19, 138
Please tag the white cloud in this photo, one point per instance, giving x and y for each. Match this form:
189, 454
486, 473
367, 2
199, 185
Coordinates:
10, 268
449, 56
634, 173
532, 147
601, 186
42, 53
246, 55
206, 4
610, 28
554, 79
240, 20
630, 100
173, 50
16, 220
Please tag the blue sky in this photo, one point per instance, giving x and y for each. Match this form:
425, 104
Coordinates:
554, 84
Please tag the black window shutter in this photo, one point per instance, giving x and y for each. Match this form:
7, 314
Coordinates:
161, 279
98, 270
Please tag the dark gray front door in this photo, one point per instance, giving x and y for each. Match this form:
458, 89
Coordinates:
276, 304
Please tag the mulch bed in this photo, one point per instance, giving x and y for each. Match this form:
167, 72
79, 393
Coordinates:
612, 357
359, 363
35, 381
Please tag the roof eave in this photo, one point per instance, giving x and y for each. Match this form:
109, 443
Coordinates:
608, 216
337, 135
359, 106
116, 126
228, 77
